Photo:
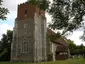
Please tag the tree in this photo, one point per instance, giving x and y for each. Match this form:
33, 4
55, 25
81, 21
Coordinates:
83, 36
72, 47
80, 49
43, 4
5, 48
55, 36
76, 49
67, 14
3, 11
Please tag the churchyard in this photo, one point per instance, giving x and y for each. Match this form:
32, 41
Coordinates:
31, 39
69, 61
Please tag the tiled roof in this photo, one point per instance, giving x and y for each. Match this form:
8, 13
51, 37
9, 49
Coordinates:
61, 48
60, 40
50, 32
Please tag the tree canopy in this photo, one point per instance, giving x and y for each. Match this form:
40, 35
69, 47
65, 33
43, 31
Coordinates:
67, 14
72, 46
3, 11
76, 49
83, 36
43, 4
5, 46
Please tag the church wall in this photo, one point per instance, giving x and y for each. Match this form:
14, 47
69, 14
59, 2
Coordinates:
38, 43
43, 33
25, 34
40, 38
54, 47
14, 43
30, 32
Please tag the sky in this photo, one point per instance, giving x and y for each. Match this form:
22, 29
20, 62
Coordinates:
9, 23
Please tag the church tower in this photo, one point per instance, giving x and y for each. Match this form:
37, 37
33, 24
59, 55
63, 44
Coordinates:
29, 34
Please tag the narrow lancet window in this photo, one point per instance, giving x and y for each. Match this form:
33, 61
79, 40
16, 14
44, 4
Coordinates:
25, 12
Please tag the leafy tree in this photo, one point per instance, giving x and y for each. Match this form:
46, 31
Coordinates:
76, 49
72, 47
5, 48
80, 49
43, 4
3, 11
83, 36
67, 14
54, 37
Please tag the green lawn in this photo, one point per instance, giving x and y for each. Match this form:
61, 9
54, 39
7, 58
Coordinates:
70, 61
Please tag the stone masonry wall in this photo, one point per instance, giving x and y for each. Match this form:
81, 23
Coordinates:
29, 34
40, 38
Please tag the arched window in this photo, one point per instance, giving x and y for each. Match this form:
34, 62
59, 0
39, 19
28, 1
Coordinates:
24, 47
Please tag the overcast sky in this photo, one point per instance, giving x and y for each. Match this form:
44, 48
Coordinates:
9, 23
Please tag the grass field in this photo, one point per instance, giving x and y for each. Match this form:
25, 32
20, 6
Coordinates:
70, 61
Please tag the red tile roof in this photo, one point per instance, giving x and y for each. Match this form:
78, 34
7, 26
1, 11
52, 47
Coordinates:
50, 32
60, 40
61, 48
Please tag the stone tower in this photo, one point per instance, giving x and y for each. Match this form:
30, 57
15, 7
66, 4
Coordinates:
29, 34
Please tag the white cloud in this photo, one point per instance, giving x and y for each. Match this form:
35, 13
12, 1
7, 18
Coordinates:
12, 7
4, 28
12, 4
76, 37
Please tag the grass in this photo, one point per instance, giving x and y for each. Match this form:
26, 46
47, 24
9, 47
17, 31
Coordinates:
70, 61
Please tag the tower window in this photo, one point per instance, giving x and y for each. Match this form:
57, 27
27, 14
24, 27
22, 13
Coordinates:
24, 47
25, 12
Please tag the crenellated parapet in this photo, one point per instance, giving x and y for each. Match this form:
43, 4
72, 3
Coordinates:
26, 10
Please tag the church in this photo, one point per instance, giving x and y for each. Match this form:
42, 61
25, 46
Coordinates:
29, 36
